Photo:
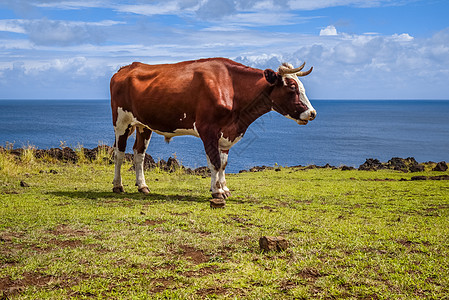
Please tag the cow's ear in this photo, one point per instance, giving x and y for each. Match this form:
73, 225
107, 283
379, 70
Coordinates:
271, 76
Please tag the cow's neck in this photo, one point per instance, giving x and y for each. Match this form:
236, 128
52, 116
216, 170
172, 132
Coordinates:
255, 108
255, 100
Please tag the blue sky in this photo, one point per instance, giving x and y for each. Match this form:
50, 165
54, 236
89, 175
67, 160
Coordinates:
360, 49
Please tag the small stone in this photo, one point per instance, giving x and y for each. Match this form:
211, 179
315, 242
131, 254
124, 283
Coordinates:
24, 184
217, 203
273, 243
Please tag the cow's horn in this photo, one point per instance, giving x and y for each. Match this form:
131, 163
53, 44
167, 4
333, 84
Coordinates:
286, 70
305, 73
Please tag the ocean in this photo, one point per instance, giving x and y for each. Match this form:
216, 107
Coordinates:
345, 132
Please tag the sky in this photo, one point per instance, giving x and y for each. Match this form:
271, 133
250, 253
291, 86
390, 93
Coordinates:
360, 49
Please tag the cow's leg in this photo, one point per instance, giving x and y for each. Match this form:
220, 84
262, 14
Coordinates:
221, 173
119, 155
143, 136
217, 161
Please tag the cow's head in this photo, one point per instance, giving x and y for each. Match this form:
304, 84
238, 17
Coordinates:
289, 96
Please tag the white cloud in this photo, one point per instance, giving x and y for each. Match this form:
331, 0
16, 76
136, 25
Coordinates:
159, 8
371, 66
404, 37
76, 54
57, 32
67, 5
328, 31
11, 25
319, 4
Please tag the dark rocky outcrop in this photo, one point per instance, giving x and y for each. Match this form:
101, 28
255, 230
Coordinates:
106, 153
440, 167
405, 165
371, 164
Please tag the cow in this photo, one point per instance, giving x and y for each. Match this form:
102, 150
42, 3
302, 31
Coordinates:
215, 99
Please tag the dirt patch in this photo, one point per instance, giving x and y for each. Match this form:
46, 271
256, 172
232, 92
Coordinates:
64, 229
10, 249
195, 255
311, 274
212, 291
286, 285
161, 284
10, 287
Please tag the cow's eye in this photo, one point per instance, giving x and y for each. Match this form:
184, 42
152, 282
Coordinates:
293, 87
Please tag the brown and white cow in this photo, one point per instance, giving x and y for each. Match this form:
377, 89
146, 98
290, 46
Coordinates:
214, 99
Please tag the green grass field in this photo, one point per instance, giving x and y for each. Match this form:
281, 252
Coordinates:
352, 234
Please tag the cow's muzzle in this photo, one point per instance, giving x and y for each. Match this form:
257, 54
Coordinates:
306, 116
312, 115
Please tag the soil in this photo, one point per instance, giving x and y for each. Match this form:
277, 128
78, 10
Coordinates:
195, 255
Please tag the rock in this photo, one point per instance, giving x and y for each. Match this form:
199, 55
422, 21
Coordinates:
24, 184
310, 167
328, 166
346, 168
371, 164
260, 168
416, 168
202, 171
217, 203
440, 167
173, 164
272, 243
397, 163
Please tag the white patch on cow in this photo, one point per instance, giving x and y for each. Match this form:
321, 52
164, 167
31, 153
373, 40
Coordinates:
218, 179
178, 132
221, 173
214, 187
125, 119
139, 159
138, 164
226, 143
183, 118
119, 156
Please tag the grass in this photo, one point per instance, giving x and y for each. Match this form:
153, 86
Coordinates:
352, 234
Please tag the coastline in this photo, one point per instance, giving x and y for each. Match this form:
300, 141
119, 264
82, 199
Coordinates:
105, 154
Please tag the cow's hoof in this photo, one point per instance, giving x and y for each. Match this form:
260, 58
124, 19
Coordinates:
145, 190
118, 189
227, 194
217, 203
218, 196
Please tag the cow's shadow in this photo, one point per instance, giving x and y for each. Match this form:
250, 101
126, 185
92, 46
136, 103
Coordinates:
110, 197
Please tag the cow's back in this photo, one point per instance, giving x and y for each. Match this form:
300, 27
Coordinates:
157, 94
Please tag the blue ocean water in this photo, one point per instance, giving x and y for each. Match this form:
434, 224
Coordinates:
344, 132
